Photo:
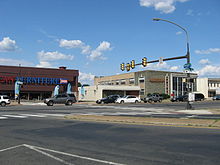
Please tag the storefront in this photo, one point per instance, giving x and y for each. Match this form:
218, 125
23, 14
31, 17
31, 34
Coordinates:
38, 83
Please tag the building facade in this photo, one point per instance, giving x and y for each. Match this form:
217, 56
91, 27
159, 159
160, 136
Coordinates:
38, 83
209, 86
93, 93
151, 81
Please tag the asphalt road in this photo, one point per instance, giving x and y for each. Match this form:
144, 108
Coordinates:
52, 140
166, 109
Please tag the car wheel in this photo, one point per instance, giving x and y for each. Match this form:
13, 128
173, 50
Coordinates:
3, 104
160, 101
69, 102
136, 101
149, 101
122, 102
50, 103
145, 101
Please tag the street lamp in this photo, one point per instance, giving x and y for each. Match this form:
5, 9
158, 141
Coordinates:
188, 105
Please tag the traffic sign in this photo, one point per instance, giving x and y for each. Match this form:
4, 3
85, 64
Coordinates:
187, 65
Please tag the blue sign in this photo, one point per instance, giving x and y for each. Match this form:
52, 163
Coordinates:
40, 80
187, 65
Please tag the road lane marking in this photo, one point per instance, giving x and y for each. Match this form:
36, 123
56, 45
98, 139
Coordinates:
46, 154
33, 115
73, 155
15, 116
55, 115
10, 148
3, 117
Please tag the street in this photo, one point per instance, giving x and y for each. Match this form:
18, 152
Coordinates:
72, 142
204, 109
38, 135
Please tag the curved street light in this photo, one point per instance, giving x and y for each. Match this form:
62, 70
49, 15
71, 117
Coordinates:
188, 106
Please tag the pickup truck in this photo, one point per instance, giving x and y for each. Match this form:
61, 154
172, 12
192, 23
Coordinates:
153, 98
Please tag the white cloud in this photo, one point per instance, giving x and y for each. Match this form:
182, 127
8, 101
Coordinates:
86, 78
14, 62
86, 49
209, 70
7, 45
70, 44
98, 52
164, 6
44, 64
163, 66
174, 68
204, 61
179, 32
53, 56
208, 51
45, 58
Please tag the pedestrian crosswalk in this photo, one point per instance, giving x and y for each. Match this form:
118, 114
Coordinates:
34, 115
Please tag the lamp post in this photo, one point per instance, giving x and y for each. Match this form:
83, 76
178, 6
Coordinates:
188, 105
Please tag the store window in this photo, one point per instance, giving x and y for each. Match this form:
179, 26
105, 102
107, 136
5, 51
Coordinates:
131, 81
142, 92
141, 79
122, 82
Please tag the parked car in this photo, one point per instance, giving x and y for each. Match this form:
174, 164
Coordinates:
153, 97
4, 100
67, 99
217, 97
108, 99
179, 98
128, 99
199, 97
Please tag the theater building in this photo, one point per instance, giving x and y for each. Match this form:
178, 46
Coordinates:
38, 83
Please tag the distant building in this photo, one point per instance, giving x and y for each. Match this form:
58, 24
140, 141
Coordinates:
152, 81
208, 86
38, 83
93, 93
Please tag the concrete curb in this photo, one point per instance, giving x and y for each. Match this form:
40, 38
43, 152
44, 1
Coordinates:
198, 123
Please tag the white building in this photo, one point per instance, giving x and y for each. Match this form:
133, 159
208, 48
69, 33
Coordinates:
208, 86
93, 93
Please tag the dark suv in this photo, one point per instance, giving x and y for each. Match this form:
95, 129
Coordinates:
153, 98
109, 99
67, 99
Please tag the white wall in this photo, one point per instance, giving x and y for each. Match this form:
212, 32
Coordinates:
202, 86
93, 93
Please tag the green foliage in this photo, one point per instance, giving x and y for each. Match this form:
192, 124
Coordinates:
165, 96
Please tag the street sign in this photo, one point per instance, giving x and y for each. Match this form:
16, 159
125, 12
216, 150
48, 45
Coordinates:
187, 65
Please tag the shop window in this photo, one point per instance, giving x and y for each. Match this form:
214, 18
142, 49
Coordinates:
131, 81
141, 80
142, 92
122, 82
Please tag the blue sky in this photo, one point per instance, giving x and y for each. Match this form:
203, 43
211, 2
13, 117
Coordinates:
95, 36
